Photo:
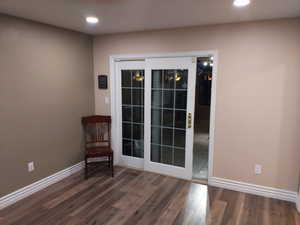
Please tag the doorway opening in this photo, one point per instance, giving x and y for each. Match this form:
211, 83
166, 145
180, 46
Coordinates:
202, 118
166, 100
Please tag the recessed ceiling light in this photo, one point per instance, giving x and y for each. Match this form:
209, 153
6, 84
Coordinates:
241, 3
92, 20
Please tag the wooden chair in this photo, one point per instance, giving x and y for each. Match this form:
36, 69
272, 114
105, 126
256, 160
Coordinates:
97, 140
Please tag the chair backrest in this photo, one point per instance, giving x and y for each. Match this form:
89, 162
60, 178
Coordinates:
96, 131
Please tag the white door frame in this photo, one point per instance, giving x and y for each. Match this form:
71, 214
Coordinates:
128, 161
113, 97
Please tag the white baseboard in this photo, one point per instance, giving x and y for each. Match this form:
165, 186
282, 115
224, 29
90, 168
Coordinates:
213, 181
39, 185
254, 189
298, 202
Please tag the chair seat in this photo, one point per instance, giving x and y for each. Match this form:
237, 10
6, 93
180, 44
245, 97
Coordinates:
98, 151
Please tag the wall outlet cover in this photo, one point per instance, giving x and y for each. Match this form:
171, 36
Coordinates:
30, 166
258, 169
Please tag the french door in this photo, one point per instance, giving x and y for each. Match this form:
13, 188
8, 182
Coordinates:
156, 121
130, 101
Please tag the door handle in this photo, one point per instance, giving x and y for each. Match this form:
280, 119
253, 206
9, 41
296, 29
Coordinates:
189, 120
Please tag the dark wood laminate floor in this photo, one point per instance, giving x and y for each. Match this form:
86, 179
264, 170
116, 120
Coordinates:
135, 197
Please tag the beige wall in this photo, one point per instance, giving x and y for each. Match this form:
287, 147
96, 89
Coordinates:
46, 85
258, 93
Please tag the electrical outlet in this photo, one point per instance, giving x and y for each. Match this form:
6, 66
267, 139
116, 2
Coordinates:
30, 166
258, 169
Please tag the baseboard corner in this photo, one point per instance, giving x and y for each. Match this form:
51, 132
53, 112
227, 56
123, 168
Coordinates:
26, 191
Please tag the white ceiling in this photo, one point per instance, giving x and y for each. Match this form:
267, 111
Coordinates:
133, 15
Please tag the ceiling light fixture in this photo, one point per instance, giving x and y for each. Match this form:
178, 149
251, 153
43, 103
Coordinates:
92, 20
241, 3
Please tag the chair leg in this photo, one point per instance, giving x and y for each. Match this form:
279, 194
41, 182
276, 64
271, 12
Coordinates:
108, 162
86, 168
112, 165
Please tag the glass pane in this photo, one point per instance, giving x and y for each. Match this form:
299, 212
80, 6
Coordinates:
127, 130
180, 119
156, 78
138, 115
168, 99
126, 78
169, 79
138, 132
168, 116
179, 140
181, 97
133, 112
155, 153
137, 96
179, 157
127, 147
138, 149
167, 155
138, 78
126, 113
156, 135
126, 96
156, 115
156, 99
167, 137
181, 79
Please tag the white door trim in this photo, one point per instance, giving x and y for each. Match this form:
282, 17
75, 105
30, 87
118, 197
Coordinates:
131, 57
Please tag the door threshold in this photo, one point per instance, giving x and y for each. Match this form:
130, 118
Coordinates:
200, 181
146, 171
